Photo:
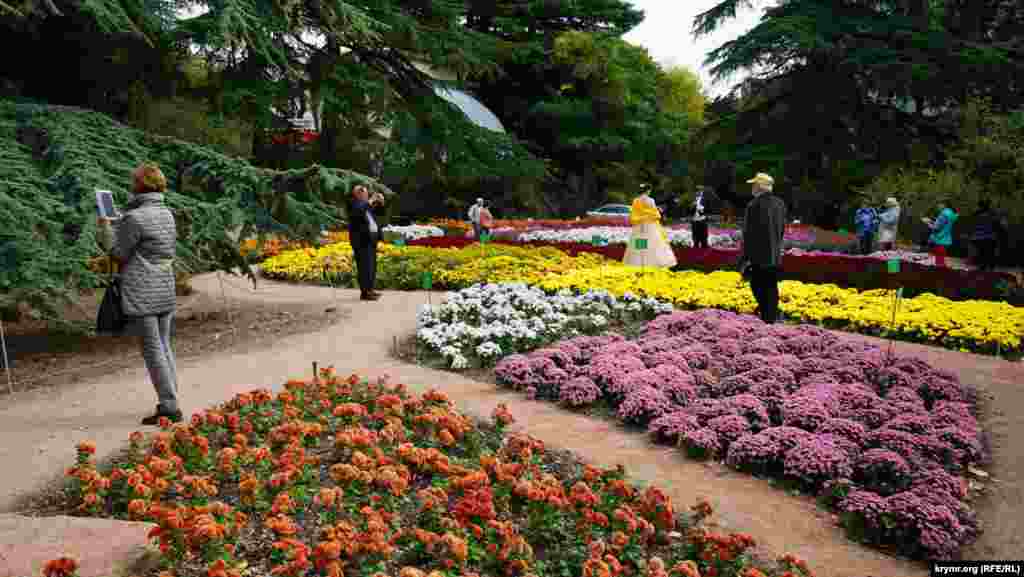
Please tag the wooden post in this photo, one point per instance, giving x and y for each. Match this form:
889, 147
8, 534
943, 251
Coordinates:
316, 373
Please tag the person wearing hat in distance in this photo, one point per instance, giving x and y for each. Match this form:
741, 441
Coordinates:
763, 228
474, 216
888, 224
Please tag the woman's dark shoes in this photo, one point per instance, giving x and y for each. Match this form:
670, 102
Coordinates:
370, 296
154, 419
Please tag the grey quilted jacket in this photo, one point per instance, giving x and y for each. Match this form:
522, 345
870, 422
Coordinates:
144, 240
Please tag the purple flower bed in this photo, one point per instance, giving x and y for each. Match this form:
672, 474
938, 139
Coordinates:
883, 439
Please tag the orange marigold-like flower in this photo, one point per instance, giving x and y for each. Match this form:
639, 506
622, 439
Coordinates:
62, 567
686, 568
137, 508
445, 437
502, 415
87, 447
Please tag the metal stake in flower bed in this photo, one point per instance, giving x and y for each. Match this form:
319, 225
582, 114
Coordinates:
7, 364
893, 266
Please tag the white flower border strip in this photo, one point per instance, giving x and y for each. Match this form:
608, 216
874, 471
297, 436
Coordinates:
479, 325
415, 231
616, 235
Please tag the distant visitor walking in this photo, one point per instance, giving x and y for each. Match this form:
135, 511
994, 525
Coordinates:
364, 235
763, 228
143, 241
888, 224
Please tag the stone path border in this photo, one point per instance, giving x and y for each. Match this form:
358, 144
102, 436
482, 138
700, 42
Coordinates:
41, 428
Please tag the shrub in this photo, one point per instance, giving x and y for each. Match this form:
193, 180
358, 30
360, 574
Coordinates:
643, 404
882, 471
701, 443
579, 392
756, 453
728, 428
816, 460
668, 428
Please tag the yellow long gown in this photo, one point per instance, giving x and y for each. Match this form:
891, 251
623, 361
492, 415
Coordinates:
646, 220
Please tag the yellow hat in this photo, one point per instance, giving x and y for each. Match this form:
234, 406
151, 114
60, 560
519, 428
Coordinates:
762, 178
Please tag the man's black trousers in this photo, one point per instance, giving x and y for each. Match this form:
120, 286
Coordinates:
366, 265
700, 234
764, 283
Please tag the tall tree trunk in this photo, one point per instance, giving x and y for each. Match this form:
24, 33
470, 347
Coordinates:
331, 120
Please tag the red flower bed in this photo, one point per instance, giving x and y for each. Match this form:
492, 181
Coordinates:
861, 273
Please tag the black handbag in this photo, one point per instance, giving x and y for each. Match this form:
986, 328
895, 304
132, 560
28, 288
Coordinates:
110, 319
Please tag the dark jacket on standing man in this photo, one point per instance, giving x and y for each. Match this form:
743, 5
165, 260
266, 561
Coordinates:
763, 228
360, 231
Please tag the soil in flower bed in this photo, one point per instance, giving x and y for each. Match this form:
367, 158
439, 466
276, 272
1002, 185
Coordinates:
40, 356
884, 441
341, 476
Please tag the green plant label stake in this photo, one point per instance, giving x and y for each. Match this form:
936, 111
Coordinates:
399, 241
427, 280
596, 240
640, 244
894, 265
485, 238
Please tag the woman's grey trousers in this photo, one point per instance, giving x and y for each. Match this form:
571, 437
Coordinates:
156, 350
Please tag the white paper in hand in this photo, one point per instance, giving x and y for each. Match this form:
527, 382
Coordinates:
105, 203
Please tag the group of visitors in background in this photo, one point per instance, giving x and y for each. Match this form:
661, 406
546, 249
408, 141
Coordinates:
988, 230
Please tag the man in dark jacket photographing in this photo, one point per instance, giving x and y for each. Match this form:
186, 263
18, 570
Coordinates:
763, 228
364, 235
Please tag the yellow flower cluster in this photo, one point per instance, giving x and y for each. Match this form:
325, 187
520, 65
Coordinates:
974, 325
450, 268
981, 326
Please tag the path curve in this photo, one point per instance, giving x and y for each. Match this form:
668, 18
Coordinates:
41, 428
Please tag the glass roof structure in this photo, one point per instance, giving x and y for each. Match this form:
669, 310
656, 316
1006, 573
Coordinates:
471, 107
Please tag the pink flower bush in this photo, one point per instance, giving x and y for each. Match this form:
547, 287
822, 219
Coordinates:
514, 371
579, 392
643, 404
756, 453
728, 428
882, 471
750, 408
679, 386
702, 443
668, 428
883, 437
816, 460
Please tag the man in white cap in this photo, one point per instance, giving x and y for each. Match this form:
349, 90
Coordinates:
474, 216
763, 228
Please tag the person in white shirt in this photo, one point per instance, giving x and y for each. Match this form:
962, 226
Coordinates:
700, 222
474, 216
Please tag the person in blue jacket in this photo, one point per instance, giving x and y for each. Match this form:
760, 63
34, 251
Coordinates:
866, 221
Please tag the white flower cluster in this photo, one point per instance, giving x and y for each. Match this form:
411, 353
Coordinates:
415, 231
615, 235
488, 321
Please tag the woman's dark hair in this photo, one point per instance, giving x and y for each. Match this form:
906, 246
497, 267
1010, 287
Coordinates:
984, 205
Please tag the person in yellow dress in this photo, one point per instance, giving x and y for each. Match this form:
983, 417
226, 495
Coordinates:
645, 218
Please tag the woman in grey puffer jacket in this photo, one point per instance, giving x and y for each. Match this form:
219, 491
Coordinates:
143, 242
